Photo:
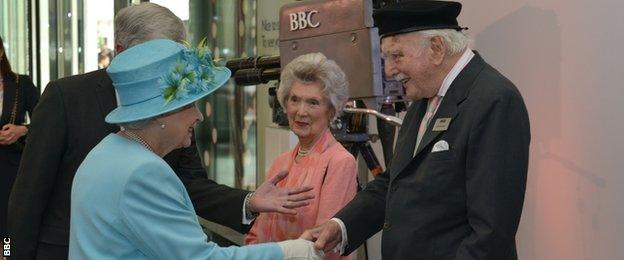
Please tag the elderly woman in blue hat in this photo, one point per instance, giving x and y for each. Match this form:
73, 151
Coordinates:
127, 203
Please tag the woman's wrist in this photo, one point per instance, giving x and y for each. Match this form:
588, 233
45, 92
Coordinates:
23, 130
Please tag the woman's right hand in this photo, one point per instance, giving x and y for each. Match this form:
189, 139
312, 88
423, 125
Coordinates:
300, 249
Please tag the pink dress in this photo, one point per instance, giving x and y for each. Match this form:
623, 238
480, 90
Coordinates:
330, 169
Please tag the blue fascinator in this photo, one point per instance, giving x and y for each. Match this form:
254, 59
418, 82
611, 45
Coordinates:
159, 76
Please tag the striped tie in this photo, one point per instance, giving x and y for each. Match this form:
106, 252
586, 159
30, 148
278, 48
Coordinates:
432, 106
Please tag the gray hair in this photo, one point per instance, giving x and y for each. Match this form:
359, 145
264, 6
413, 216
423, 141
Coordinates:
136, 125
147, 21
315, 67
455, 41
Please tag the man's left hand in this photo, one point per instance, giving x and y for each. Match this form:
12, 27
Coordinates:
270, 198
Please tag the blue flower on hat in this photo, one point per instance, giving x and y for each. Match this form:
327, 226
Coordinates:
192, 74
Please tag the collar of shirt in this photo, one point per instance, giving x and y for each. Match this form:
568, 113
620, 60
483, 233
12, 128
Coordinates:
457, 68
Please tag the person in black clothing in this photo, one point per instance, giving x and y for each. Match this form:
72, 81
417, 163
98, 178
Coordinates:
18, 95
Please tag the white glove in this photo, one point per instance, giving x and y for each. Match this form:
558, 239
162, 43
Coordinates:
300, 249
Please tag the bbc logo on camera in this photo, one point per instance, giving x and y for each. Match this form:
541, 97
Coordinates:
6, 249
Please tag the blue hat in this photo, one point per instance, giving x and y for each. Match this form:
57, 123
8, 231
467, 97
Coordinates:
159, 76
411, 16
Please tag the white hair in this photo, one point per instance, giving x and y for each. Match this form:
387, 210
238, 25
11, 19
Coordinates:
456, 41
136, 125
315, 67
147, 21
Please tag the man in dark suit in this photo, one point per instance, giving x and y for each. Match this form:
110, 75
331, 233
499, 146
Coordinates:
69, 121
455, 187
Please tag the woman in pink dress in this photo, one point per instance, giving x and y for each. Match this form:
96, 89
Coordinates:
313, 91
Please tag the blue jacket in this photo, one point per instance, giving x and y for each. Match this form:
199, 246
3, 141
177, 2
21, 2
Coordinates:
127, 203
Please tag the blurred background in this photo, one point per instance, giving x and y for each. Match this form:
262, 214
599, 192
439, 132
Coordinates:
562, 54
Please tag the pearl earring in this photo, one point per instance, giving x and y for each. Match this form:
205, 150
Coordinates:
162, 126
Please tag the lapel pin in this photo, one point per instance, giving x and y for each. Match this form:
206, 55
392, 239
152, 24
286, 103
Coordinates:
441, 124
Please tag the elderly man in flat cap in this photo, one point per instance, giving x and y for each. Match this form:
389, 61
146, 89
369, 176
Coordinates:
456, 184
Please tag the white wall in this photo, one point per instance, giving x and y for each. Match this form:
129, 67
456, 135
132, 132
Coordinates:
565, 57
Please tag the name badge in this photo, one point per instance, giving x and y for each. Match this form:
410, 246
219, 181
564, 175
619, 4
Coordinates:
441, 124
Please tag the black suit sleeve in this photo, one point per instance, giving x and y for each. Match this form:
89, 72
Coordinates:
37, 173
364, 215
218, 203
496, 167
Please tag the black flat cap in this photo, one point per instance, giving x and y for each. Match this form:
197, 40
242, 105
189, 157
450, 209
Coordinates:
414, 16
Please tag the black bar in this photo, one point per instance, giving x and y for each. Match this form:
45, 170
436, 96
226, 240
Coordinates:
245, 77
386, 133
371, 159
260, 62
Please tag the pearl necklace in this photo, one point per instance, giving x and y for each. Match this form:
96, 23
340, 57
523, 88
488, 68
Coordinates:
302, 153
138, 139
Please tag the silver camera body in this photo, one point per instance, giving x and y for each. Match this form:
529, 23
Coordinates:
343, 31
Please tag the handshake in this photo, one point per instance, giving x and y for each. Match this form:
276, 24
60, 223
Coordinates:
313, 242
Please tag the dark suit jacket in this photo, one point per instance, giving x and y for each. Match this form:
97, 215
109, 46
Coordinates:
27, 97
67, 123
464, 203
